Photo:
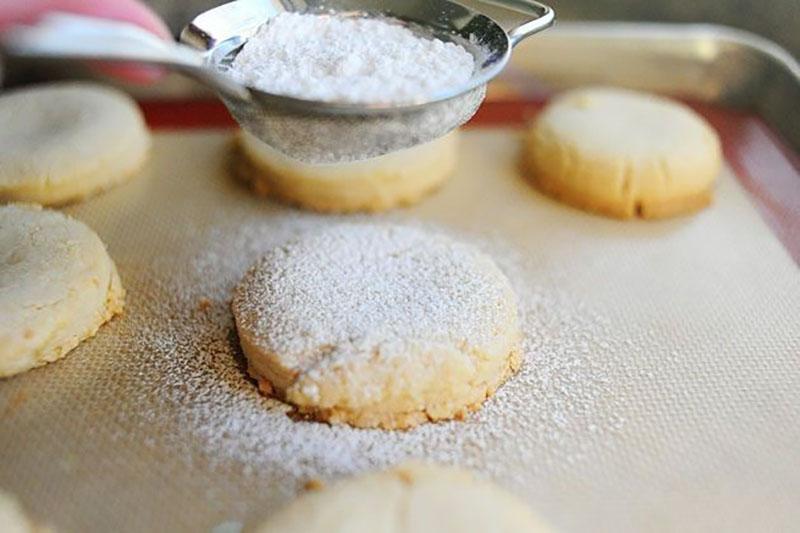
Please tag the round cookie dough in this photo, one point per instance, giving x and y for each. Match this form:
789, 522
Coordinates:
57, 286
411, 498
378, 325
63, 142
623, 153
378, 184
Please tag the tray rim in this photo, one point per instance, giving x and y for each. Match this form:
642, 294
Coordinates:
746, 70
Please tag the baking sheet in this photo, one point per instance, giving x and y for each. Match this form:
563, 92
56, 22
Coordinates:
660, 391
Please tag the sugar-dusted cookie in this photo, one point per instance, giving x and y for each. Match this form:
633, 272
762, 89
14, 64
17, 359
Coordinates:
378, 325
378, 184
411, 498
623, 153
57, 286
62, 142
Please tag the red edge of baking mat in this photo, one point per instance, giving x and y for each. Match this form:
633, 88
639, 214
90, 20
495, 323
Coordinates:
767, 168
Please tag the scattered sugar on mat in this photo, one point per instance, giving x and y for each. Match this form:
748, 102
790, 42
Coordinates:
198, 404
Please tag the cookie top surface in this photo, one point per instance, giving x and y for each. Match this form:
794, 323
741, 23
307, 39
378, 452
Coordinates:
41, 253
57, 132
53, 271
361, 290
626, 124
409, 498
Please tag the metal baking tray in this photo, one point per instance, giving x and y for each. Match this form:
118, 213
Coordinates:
705, 63
660, 384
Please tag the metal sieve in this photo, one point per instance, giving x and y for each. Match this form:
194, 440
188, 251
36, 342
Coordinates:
312, 131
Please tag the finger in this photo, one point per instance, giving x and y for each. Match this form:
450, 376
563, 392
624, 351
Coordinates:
123, 10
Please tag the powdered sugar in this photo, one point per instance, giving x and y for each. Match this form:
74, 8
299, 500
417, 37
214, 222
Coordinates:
356, 60
372, 290
197, 375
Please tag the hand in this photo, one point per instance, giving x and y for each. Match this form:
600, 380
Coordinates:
28, 11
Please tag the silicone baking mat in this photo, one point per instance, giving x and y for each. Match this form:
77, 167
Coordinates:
661, 387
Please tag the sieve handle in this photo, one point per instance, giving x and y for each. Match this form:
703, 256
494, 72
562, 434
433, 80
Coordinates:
79, 37
538, 17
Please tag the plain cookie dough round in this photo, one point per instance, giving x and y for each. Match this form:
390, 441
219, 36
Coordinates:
63, 142
57, 286
411, 498
372, 185
378, 325
623, 153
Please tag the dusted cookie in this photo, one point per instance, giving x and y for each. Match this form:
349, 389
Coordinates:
378, 184
63, 142
411, 498
623, 154
378, 326
57, 286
